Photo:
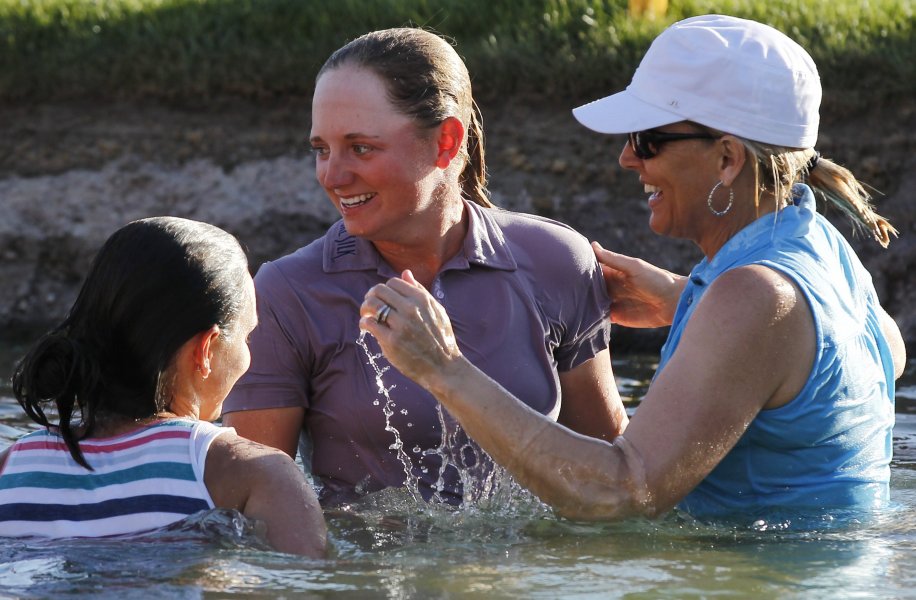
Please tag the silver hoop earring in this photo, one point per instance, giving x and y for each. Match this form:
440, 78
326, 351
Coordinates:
731, 200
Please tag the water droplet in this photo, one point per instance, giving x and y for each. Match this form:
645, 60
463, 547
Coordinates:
388, 411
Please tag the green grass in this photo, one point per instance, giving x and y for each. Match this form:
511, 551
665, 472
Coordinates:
550, 49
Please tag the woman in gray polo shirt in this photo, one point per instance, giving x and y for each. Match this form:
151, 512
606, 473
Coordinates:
399, 150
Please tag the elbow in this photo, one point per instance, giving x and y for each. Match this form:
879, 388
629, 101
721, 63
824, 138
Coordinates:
610, 507
318, 548
308, 538
314, 542
603, 498
900, 363
611, 488
895, 342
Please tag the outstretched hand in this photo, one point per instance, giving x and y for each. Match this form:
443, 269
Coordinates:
642, 295
416, 334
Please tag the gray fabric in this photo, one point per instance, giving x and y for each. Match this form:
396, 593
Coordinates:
526, 299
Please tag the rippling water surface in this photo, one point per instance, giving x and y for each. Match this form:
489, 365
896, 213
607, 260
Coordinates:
389, 546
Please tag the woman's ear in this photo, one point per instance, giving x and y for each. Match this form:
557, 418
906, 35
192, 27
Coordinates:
733, 155
203, 350
451, 136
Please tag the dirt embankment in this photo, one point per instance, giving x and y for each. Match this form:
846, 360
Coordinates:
71, 174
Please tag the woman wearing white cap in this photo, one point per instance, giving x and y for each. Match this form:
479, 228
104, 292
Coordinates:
775, 388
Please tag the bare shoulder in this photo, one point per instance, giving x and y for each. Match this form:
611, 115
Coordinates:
235, 466
759, 316
759, 306
234, 451
757, 281
758, 294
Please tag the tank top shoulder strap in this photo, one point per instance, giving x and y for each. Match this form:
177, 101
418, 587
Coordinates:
202, 435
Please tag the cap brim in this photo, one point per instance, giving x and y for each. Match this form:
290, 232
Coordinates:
623, 113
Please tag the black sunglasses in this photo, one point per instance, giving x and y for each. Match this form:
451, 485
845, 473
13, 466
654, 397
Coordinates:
646, 144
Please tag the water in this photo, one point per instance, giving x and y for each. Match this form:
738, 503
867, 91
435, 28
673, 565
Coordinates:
482, 481
388, 407
384, 547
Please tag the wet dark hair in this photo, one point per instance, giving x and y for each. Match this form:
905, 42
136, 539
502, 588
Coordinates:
427, 81
153, 285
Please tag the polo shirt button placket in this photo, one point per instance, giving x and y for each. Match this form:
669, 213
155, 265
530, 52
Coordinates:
437, 289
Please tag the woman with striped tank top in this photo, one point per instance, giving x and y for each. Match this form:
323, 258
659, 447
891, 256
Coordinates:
134, 374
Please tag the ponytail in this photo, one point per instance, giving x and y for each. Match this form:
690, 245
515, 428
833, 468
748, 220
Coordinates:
474, 176
777, 169
838, 185
153, 285
60, 372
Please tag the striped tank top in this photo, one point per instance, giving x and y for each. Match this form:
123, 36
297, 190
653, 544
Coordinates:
142, 480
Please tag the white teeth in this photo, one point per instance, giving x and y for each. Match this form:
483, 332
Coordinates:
356, 200
651, 189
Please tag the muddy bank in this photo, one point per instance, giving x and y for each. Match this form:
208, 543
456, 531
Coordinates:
71, 174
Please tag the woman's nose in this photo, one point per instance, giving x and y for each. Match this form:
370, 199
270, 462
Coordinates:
334, 172
628, 158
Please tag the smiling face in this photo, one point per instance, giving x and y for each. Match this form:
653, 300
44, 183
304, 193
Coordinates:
678, 180
373, 162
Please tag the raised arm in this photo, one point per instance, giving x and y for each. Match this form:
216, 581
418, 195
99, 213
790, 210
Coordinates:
642, 295
731, 363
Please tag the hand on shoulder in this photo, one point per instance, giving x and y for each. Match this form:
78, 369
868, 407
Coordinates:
642, 295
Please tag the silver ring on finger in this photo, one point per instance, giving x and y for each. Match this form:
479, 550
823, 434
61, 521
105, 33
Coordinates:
381, 317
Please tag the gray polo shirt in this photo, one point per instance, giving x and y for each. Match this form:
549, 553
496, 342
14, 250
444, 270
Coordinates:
526, 299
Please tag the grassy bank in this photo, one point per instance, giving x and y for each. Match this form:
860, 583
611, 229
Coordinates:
551, 49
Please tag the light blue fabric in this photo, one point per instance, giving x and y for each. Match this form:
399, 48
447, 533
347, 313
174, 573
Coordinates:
830, 447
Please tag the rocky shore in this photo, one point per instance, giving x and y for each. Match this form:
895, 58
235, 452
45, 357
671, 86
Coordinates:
70, 174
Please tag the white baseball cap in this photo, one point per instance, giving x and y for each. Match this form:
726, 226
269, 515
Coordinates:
735, 75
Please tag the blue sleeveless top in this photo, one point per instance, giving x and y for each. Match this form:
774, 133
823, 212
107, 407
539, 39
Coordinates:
830, 447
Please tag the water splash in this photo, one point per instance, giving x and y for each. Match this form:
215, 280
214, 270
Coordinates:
485, 485
410, 481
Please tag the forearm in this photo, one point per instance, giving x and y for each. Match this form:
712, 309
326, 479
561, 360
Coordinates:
580, 477
590, 401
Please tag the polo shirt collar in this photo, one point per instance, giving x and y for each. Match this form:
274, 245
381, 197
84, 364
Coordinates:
484, 245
